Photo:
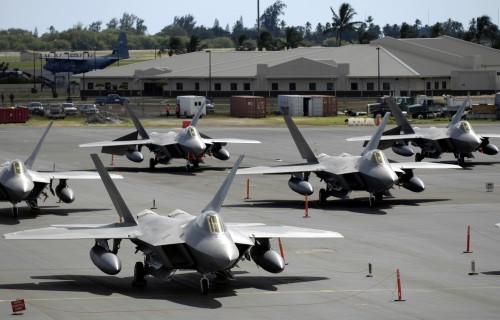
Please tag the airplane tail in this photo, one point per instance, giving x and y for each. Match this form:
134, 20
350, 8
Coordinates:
460, 112
304, 149
375, 139
31, 159
121, 47
137, 123
197, 115
401, 120
219, 197
120, 205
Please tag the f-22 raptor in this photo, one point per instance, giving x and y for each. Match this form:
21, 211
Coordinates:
188, 144
178, 240
344, 173
19, 183
458, 138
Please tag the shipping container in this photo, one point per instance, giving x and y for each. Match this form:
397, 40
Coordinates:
17, 115
247, 106
189, 105
307, 105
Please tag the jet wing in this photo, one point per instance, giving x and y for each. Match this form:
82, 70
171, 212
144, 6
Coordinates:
263, 231
282, 169
489, 135
399, 166
388, 137
45, 177
104, 231
116, 143
227, 140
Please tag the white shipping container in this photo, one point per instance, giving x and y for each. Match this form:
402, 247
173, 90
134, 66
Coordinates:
295, 104
190, 104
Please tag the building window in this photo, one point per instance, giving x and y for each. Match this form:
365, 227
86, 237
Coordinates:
370, 86
274, 86
179, 86
436, 85
354, 86
386, 86
312, 86
428, 85
90, 85
124, 86
246, 86
217, 86
197, 86
234, 86
330, 86
443, 85
292, 86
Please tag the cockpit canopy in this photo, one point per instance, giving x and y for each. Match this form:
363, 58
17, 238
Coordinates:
192, 132
18, 167
464, 126
212, 222
378, 157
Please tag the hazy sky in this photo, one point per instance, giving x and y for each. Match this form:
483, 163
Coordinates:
30, 14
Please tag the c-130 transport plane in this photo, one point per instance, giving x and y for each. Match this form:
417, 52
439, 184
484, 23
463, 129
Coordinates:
188, 144
178, 240
344, 173
19, 183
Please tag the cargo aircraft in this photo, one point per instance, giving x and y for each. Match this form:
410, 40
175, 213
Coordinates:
19, 183
369, 171
188, 144
85, 64
457, 137
177, 240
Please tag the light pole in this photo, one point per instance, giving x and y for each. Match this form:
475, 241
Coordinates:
378, 70
41, 80
54, 88
34, 77
69, 86
209, 74
84, 71
95, 62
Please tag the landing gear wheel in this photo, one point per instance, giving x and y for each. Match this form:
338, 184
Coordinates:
418, 157
15, 212
139, 275
461, 161
322, 196
188, 167
378, 196
152, 163
204, 286
196, 163
372, 201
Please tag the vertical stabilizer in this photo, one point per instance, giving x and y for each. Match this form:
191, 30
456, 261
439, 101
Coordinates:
219, 197
375, 139
304, 149
460, 112
31, 159
197, 115
120, 205
120, 51
401, 120
137, 123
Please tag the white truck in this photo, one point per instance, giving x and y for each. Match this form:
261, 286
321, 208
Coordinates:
188, 105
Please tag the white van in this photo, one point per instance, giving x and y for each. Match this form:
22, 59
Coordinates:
190, 104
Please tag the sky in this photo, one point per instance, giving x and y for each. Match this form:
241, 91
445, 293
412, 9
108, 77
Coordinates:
157, 14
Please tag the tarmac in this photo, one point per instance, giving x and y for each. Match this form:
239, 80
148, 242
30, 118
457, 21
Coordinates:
423, 235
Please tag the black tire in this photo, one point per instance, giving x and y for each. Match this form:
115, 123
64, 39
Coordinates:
418, 157
152, 163
322, 196
204, 286
15, 212
139, 275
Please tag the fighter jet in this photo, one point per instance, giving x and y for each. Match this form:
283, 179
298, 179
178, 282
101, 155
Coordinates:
344, 173
188, 144
19, 183
458, 138
178, 240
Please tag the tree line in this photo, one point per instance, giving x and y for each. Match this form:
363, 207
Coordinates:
185, 35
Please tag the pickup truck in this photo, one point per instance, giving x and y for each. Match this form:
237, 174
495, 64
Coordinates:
111, 99
378, 109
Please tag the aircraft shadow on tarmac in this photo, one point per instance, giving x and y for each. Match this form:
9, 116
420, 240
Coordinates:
358, 205
491, 273
183, 289
26, 214
181, 171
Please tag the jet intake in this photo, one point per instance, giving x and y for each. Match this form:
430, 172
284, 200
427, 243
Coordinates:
65, 193
221, 154
402, 149
105, 260
300, 186
414, 184
134, 155
267, 258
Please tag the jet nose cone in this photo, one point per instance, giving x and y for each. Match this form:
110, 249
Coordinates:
19, 189
226, 256
196, 146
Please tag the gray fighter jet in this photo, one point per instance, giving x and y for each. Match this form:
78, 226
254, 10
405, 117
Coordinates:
344, 173
178, 240
458, 138
19, 183
188, 144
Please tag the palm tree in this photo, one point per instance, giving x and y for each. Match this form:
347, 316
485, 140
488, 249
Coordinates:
343, 21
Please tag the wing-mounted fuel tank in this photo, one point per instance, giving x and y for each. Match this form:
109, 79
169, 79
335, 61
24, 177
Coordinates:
65, 193
220, 153
105, 259
410, 182
487, 148
134, 155
265, 257
300, 186
402, 149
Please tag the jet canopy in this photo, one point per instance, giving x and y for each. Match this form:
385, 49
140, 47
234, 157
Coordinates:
18, 167
465, 126
211, 222
378, 157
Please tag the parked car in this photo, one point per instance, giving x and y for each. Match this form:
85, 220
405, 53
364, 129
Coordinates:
36, 108
210, 106
88, 109
69, 109
55, 111
111, 99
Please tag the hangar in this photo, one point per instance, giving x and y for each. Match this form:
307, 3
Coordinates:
431, 66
